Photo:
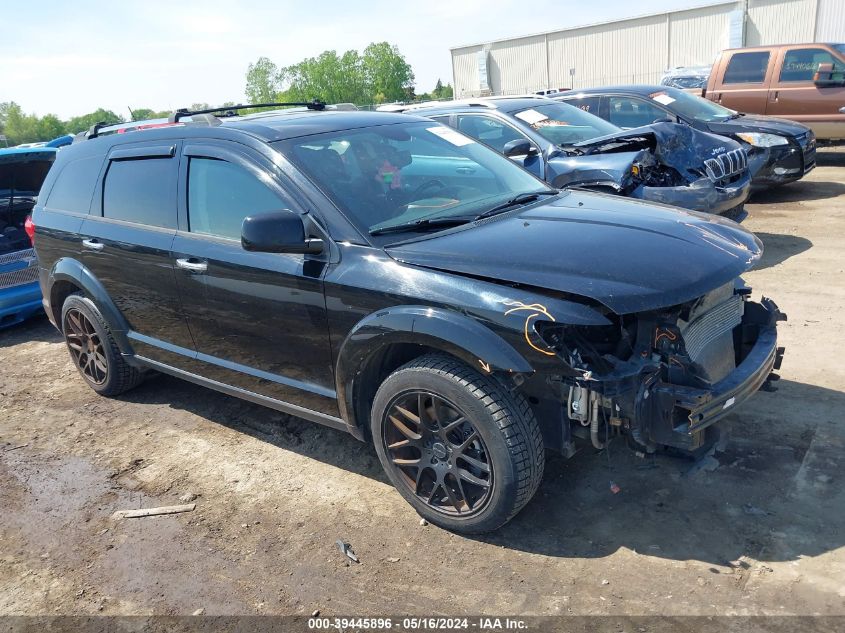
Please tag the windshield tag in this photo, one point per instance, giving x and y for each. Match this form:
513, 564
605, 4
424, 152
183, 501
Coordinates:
531, 116
448, 134
662, 97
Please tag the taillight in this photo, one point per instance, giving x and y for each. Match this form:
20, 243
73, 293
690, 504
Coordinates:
29, 227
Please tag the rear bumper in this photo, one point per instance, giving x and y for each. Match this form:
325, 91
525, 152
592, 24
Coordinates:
18, 303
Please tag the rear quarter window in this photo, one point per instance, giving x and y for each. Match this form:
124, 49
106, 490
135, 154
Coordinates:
747, 68
74, 186
141, 191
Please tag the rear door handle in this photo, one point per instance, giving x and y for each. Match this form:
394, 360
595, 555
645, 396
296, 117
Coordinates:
467, 171
193, 265
93, 245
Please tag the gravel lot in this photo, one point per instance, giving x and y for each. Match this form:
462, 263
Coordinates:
756, 530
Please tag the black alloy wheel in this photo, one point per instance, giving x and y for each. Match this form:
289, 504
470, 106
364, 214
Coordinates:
438, 453
86, 347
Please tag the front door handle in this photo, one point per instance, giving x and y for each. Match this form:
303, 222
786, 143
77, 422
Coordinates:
192, 264
465, 171
93, 245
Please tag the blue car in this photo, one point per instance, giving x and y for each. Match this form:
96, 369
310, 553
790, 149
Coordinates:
22, 170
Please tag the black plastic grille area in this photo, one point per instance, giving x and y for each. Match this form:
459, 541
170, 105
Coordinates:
727, 166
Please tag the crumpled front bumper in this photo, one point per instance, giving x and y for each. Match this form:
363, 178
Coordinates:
700, 195
675, 415
772, 166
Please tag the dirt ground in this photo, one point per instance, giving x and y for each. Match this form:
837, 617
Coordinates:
758, 529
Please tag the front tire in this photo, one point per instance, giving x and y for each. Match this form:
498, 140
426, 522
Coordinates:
93, 349
465, 452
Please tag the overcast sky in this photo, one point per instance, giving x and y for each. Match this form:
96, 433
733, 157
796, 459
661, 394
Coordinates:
71, 57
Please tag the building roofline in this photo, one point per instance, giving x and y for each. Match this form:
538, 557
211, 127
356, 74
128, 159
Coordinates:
594, 24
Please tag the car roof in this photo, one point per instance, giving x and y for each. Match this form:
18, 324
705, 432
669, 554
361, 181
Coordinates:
267, 126
305, 123
502, 104
639, 89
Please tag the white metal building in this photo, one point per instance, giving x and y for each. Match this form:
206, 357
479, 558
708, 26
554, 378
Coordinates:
639, 50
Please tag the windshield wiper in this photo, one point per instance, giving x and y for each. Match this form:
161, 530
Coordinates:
735, 115
422, 224
523, 198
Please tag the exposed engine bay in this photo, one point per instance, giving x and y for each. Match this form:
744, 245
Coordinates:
665, 377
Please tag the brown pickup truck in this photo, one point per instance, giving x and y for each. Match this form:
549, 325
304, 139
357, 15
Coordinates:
802, 82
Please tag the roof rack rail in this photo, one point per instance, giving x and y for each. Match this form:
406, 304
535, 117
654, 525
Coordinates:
184, 112
94, 130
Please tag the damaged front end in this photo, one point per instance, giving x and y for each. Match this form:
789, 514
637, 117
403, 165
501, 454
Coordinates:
676, 165
665, 377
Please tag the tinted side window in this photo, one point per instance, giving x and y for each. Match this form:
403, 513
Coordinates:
802, 63
142, 191
587, 104
490, 131
221, 195
74, 186
747, 68
628, 112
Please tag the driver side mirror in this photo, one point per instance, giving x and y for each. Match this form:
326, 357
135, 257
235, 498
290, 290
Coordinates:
277, 232
824, 76
519, 147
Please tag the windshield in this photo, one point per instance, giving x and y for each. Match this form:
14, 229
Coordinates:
398, 174
564, 124
690, 106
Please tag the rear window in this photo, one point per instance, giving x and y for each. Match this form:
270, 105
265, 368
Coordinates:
747, 68
74, 186
142, 191
587, 104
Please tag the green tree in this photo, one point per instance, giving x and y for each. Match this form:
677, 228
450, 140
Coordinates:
442, 92
379, 74
262, 81
84, 122
329, 77
19, 127
388, 76
49, 127
143, 114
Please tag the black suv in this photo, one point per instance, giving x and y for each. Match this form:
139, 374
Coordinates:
386, 275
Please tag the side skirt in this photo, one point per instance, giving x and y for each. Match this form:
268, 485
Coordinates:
237, 392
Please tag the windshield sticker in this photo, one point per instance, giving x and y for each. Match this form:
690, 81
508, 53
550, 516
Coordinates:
662, 97
448, 134
531, 117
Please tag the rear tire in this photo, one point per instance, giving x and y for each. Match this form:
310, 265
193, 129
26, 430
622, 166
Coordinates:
93, 349
472, 459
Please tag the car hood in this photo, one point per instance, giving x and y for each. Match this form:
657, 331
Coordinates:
756, 123
628, 255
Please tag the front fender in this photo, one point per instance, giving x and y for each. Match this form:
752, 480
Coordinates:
438, 328
73, 271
